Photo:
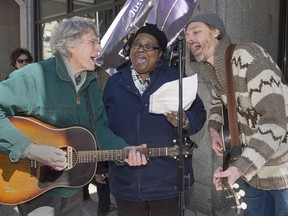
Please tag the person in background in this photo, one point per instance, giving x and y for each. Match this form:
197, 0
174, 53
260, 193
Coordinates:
103, 190
260, 102
20, 57
150, 189
61, 91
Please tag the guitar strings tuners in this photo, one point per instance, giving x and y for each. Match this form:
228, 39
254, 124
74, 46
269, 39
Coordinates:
241, 193
243, 206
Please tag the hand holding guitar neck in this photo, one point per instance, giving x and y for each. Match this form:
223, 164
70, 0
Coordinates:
226, 180
135, 157
233, 196
228, 176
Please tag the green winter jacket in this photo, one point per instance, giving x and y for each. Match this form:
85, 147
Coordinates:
45, 91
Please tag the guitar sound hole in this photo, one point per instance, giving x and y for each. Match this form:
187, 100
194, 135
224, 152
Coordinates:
47, 174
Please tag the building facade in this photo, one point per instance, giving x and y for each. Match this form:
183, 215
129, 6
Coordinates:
28, 24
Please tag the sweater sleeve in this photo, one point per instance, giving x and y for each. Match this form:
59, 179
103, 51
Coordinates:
196, 115
215, 115
15, 98
267, 113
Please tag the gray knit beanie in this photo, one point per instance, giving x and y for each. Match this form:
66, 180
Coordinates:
210, 19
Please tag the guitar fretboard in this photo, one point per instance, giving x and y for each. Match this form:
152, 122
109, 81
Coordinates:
119, 154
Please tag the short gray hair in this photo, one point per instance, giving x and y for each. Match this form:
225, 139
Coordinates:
71, 30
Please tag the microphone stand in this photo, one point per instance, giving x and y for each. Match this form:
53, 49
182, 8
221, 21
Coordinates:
181, 170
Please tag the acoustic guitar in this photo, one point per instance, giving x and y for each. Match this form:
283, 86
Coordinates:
230, 154
27, 179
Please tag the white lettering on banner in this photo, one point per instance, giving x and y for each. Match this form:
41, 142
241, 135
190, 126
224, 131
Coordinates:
135, 9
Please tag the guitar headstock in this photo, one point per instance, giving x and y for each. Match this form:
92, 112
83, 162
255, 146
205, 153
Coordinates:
235, 197
187, 148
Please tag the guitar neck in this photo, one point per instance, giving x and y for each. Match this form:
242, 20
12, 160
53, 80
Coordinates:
119, 154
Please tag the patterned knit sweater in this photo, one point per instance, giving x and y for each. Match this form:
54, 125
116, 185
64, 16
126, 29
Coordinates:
259, 90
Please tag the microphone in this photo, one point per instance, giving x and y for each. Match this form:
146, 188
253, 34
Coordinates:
181, 35
178, 40
176, 46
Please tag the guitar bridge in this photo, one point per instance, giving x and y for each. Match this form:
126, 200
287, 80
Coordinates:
69, 153
33, 168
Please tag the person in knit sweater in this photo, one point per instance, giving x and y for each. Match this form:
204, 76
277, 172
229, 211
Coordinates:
260, 102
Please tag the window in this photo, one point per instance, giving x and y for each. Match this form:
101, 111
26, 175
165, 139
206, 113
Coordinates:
47, 29
51, 8
82, 4
49, 13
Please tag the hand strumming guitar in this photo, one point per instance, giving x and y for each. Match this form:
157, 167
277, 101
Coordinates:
216, 141
48, 155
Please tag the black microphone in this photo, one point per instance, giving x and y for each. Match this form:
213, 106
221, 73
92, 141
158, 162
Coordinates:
181, 35
174, 55
178, 40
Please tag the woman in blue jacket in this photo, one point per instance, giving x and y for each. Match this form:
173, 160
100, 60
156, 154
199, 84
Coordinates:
150, 189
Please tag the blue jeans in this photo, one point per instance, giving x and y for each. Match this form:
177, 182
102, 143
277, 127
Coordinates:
265, 202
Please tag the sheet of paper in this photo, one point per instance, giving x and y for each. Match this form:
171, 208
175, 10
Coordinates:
166, 98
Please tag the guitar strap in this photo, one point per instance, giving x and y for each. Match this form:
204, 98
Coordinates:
235, 149
91, 116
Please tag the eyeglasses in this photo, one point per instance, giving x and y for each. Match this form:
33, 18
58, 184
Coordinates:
146, 47
21, 61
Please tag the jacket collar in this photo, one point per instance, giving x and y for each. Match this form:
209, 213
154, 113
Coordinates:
218, 75
125, 68
63, 73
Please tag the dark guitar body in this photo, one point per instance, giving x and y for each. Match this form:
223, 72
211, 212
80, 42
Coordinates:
27, 179
22, 181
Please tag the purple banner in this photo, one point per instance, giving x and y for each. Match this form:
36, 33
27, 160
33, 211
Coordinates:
169, 15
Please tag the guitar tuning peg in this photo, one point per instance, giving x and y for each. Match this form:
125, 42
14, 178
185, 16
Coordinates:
235, 185
243, 205
241, 193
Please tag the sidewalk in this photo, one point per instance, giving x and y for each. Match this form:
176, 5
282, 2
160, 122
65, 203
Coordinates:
89, 207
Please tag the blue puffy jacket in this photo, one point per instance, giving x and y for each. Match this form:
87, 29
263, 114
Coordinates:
129, 117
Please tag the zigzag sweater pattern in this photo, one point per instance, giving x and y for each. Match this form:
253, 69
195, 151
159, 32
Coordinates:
259, 89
